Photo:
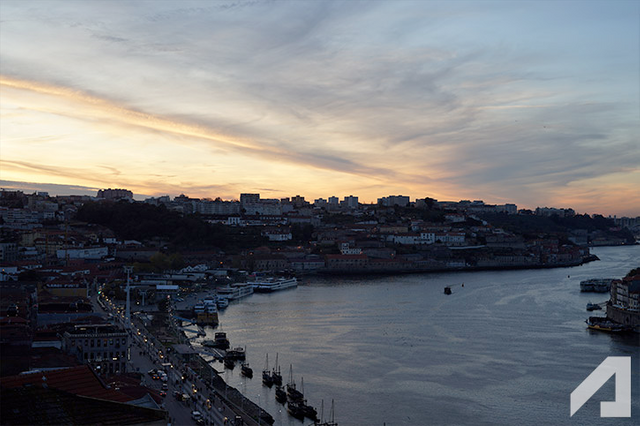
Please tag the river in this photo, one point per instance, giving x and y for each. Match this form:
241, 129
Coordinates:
507, 347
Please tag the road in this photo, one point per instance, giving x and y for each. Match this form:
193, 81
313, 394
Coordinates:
144, 356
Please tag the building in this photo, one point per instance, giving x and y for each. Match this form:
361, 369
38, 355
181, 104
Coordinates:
350, 202
115, 194
394, 200
249, 199
103, 346
625, 293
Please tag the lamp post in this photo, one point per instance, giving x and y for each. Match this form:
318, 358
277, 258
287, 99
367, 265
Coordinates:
127, 318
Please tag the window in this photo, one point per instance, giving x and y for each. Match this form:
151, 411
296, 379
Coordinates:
86, 342
98, 342
92, 342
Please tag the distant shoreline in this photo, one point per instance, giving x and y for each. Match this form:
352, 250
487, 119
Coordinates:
360, 272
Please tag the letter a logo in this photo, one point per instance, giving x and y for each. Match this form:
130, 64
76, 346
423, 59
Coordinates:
621, 407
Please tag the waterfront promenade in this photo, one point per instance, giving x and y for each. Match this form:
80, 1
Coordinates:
145, 352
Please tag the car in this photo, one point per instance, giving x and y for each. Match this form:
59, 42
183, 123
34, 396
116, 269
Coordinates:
163, 393
165, 387
152, 372
196, 415
177, 395
200, 422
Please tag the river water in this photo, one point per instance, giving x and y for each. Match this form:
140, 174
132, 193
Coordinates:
506, 348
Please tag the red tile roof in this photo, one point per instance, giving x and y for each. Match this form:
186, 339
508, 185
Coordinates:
76, 380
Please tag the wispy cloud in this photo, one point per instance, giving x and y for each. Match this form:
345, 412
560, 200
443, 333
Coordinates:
432, 98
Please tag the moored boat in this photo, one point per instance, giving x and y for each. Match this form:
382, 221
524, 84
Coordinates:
281, 395
270, 285
605, 324
447, 290
246, 370
236, 354
292, 393
295, 409
266, 374
275, 374
235, 291
593, 307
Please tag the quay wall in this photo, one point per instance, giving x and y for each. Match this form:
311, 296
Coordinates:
623, 316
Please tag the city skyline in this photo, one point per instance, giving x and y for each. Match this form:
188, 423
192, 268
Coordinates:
530, 103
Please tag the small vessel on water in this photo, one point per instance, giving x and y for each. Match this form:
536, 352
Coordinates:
605, 324
330, 422
229, 363
220, 341
295, 409
307, 409
292, 393
246, 370
222, 302
447, 290
596, 285
266, 374
593, 307
281, 395
275, 374
236, 354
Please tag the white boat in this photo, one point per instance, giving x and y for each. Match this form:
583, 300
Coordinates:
206, 311
236, 291
269, 285
222, 302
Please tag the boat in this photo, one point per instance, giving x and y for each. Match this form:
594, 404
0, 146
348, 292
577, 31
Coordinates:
447, 290
235, 291
270, 285
281, 395
222, 302
236, 354
596, 285
275, 374
246, 370
295, 409
307, 409
605, 324
292, 393
266, 374
331, 421
593, 307
229, 363
221, 341
206, 311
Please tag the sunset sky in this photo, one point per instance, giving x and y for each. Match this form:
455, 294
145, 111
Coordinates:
534, 103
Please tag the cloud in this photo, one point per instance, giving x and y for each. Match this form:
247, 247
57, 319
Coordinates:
434, 98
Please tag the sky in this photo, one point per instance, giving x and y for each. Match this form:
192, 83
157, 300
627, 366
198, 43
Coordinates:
533, 103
